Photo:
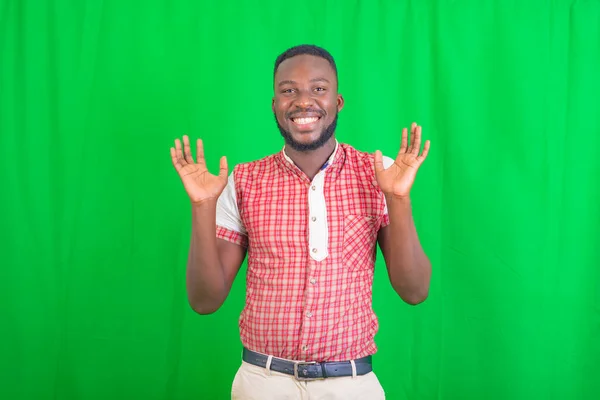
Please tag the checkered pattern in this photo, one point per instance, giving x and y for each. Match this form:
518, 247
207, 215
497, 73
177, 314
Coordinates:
296, 307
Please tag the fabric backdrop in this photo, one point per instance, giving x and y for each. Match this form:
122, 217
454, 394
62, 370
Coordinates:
95, 222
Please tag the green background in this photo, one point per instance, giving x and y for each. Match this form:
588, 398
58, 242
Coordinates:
95, 222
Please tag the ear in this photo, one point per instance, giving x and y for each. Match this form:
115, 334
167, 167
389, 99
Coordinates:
340, 102
273, 104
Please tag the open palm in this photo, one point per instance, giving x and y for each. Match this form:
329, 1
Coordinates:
199, 183
397, 179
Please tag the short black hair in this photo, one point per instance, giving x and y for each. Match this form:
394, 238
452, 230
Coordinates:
309, 49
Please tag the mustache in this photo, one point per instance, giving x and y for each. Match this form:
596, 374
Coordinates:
294, 113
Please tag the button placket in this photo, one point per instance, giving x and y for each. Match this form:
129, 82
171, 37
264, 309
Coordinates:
318, 234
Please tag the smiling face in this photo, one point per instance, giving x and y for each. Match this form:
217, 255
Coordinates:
306, 101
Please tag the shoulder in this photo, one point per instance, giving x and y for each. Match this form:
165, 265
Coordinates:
256, 165
362, 159
247, 173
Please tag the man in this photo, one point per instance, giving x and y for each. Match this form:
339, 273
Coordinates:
309, 218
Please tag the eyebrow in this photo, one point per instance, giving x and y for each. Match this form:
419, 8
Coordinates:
289, 82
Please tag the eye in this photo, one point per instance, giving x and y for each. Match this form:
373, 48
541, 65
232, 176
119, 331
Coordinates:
320, 89
286, 91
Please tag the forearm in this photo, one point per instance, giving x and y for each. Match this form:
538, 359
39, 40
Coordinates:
206, 283
408, 265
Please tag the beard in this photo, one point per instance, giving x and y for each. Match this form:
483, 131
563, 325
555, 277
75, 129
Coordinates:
326, 134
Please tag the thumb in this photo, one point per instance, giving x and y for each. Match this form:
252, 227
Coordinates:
378, 162
223, 169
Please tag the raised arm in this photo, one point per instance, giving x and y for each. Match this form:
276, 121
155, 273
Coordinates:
408, 266
212, 263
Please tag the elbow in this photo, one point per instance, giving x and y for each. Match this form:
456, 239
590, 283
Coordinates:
204, 308
415, 293
412, 295
204, 302
414, 298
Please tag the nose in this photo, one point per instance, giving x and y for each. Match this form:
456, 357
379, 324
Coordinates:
304, 100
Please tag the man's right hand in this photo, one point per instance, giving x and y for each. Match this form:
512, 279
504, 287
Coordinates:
199, 184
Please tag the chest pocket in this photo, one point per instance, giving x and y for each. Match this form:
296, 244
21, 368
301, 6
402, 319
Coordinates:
359, 241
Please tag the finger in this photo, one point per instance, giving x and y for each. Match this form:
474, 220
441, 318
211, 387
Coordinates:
416, 145
187, 151
404, 141
175, 160
378, 162
223, 170
200, 152
179, 152
411, 138
423, 155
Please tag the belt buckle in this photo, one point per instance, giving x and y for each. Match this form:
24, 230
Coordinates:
301, 378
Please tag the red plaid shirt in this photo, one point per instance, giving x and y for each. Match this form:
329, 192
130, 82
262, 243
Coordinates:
311, 254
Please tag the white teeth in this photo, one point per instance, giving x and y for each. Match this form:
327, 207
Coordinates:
302, 121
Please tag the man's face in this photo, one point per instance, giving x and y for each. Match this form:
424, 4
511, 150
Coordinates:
306, 101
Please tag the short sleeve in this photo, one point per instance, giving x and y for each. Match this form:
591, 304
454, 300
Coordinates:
229, 222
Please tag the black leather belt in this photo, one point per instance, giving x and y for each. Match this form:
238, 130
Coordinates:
308, 370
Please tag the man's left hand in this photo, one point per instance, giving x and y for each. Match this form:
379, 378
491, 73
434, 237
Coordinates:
397, 180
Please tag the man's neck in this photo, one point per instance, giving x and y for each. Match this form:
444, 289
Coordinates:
310, 162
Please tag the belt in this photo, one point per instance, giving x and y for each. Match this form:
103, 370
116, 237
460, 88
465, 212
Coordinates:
310, 370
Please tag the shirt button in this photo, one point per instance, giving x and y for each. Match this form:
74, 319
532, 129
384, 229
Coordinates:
313, 281
314, 187
314, 219
309, 314
314, 250
305, 347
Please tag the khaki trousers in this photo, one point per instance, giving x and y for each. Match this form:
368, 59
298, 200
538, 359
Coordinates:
256, 383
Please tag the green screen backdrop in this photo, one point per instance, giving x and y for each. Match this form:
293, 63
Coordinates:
95, 223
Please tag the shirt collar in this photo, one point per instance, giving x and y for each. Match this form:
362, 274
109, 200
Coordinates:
327, 163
